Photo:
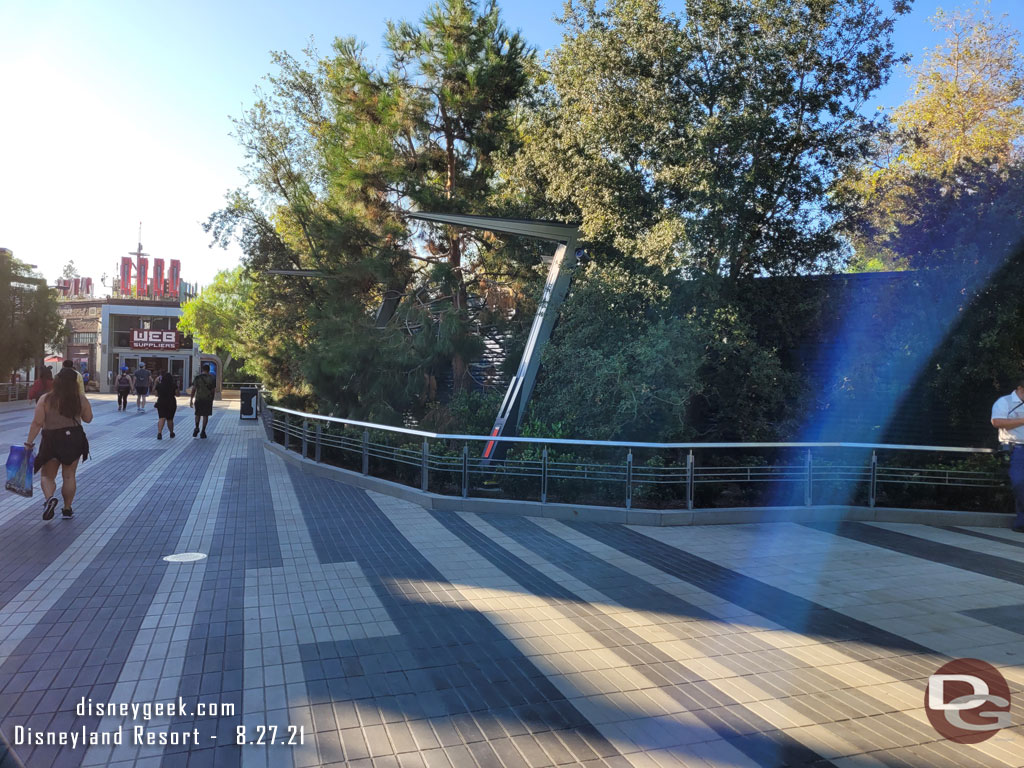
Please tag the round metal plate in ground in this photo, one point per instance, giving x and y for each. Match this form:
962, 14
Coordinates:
185, 557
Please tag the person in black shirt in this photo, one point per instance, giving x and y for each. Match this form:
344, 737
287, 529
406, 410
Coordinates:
141, 387
166, 403
204, 386
124, 388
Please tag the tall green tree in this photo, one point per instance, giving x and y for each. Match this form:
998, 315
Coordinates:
28, 315
219, 317
339, 151
700, 151
968, 101
713, 142
941, 196
943, 184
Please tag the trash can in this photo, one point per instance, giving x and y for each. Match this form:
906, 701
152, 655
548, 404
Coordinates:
248, 402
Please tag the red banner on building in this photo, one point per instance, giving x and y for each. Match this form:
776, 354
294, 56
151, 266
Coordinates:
126, 276
174, 278
143, 339
141, 277
158, 278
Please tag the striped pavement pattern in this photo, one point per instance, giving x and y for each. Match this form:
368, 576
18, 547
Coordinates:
331, 626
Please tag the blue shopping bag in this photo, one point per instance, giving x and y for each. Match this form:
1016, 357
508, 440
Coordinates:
19, 470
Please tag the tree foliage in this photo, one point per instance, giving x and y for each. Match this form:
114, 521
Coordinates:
942, 197
699, 152
712, 143
28, 315
968, 102
339, 150
220, 317
945, 177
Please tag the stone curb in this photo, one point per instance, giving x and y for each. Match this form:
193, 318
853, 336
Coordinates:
654, 517
17, 405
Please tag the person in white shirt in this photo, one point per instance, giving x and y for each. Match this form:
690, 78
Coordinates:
1008, 418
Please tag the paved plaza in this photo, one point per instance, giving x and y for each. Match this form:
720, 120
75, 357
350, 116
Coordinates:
339, 626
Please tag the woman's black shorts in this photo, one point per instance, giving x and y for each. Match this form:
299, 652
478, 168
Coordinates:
67, 445
166, 407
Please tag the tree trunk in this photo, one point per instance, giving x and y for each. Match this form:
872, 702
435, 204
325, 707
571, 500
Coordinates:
460, 367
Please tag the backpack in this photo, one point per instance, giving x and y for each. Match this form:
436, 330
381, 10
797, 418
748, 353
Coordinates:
205, 386
124, 381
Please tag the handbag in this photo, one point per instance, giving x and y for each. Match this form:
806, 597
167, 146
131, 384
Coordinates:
19, 470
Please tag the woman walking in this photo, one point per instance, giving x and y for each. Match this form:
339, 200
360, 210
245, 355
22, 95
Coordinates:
59, 416
43, 384
124, 388
166, 403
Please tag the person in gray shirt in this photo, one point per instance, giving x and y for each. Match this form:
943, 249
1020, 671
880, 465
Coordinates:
141, 387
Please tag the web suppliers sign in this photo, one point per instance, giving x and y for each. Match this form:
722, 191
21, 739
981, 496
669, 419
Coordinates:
143, 339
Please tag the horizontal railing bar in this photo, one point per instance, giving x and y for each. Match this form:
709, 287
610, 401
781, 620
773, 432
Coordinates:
794, 479
621, 443
601, 473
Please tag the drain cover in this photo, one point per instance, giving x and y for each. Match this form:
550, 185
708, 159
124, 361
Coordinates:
185, 557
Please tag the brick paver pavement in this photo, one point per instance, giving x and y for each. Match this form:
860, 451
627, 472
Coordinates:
327, 625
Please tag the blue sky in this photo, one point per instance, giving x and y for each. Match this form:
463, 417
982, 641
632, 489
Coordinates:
116, 112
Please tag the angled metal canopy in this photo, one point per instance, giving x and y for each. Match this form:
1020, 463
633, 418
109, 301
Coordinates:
556, 286
555, 231
298, 272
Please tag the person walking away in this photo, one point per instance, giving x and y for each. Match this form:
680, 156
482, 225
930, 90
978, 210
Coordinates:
166, 403
124, 388
203, 388
42, 385
59, 415
70, 366
1008, 418
141, 387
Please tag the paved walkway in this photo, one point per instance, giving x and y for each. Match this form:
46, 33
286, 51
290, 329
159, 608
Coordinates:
368, 631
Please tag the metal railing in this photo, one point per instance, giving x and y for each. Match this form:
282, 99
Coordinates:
233, 385
11, 392
648, 475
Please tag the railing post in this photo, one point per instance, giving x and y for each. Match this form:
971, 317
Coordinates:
808, 489
305, 432
319, 437
629, 479
689, 480
366, 451
465, 471
287, 427
874, 479
544, 475
424, 477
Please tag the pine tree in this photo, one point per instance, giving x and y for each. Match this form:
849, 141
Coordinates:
340, 150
